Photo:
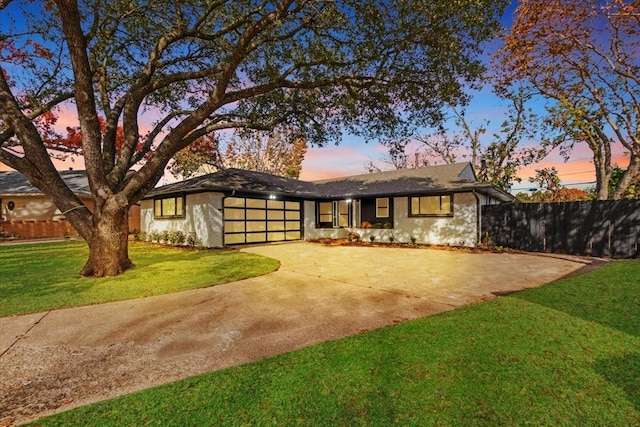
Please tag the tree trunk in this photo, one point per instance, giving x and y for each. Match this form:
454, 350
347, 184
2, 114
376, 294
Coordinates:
109, 243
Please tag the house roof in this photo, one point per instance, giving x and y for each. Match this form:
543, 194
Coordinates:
239, 180
16, 184
457, 177
441, 178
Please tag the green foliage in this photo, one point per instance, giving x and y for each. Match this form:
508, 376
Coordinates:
566, 354
632, 190
314, 69
572, 57
158, 270
155, 236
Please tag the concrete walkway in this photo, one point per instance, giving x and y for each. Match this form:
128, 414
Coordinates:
53, 361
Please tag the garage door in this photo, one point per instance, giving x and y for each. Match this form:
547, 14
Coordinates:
249, 220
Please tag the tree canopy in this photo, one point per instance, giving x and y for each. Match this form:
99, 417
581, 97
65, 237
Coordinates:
580, 57
277, 154
169, 72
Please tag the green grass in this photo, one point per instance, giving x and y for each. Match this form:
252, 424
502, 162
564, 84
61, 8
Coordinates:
41, 277
566, 354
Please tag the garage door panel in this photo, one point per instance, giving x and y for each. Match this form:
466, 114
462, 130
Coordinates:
276, 236
256, 203
256, 226
234, 226
260, 220
234, 239
293, 215
256, 237
276, 226
275, 204
275, 215
293, 235
292, 225
256, 214
232, 213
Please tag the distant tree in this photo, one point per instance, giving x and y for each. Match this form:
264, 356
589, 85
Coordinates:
496, 161
552, 190
561, 195
547, 178
581, 57
320, 68
201, 157
278, 154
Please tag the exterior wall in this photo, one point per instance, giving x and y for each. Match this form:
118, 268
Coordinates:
310, 230
36, 208
459, 230
41, 208
203, 217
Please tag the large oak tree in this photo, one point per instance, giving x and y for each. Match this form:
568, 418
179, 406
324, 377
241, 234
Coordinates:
316, 68
581, 57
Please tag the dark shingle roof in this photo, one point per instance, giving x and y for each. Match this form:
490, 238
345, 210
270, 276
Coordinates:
16, 184
430, 179
440, 178
239, 180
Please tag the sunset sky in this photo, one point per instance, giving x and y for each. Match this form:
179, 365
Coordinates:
350, 157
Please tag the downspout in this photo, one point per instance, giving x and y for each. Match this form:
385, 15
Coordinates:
478, 219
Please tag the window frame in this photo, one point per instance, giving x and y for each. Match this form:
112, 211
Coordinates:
175, 215
432, 215
378, 207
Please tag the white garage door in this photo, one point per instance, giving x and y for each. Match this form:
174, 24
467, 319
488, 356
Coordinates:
258, 220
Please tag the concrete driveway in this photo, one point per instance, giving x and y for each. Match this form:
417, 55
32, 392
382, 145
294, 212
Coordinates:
56, 360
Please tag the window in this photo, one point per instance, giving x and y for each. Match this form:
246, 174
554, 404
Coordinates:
382, 208
338, 213
431, 205
325, 213
169, 207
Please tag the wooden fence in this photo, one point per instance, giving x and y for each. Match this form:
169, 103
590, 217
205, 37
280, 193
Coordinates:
31, 229
597, 228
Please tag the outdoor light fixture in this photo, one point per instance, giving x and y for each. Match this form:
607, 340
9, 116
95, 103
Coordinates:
348, 200
272, 196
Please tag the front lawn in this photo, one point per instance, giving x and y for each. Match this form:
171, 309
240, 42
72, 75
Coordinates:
38, 277
565, 354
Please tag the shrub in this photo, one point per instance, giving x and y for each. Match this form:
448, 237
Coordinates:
164, 236
387, 226
391, 238
372, 238
192, 240
155, 236
141, 236
413, 240
176, 237
352, 236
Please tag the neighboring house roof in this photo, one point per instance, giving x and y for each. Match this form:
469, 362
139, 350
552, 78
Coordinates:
16, 184
457, 177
